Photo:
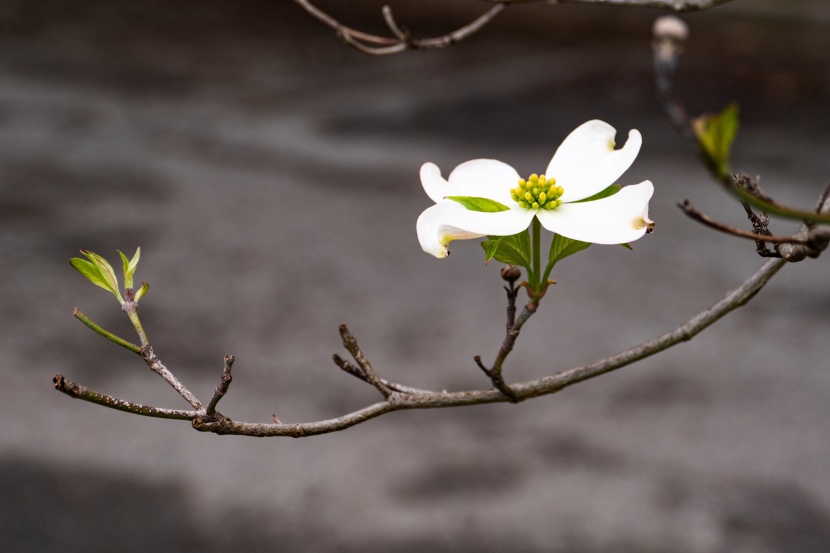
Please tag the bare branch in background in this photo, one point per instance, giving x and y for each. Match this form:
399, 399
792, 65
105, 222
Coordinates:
760, 239
818, 235
397, 397
222, 387
674, 5
809, 241
402, 40
669, 37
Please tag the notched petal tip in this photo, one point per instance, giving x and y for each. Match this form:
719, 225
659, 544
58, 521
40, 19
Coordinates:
617, 219
587, 161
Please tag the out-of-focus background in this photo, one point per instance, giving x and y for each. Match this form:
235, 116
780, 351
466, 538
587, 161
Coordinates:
270, 175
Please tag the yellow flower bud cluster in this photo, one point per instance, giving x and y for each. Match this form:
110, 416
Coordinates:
537, 192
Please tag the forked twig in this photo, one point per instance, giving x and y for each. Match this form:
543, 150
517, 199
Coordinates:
402, 40
696, 215
422, 399
222, 387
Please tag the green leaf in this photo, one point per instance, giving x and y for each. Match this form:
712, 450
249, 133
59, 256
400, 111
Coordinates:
715, 134
129, 267
105, 273
512, 250
141, 291
128, 278
562, 247
90, 271
610, 191
485, 205
627, 246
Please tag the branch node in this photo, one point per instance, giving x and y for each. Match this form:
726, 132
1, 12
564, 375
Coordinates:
222, 388
369, 375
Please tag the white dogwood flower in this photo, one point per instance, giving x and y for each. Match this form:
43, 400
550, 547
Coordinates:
487, 197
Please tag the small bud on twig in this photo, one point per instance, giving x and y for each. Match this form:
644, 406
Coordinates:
511, 274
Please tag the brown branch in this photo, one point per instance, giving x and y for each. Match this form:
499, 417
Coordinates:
222, 387
674, 5
81, 392
380, 45
704, 219
509, 274
158, 367
422, 399
760, 225
524, 390
369, 375
670, 35
348, 368
817, 235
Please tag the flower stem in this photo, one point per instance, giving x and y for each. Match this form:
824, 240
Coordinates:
535, 243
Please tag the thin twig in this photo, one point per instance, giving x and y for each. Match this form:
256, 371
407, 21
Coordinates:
158, 367
401, 34
760, 225
78, 314
348, 368
81, 392
523, 390
340, 28
380, 46
222, 387
704, 219
495, 372
818, 235
349, 40
824, 199
509, 274
350, 344
670, 34
674, 5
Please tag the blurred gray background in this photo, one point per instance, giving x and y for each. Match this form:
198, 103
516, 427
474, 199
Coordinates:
270, 175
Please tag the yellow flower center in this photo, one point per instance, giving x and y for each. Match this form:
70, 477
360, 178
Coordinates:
537, 192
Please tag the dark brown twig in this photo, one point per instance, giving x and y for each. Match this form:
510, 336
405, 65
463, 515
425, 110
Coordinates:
524, 390
158, 367
509, 274
704, 219
818, 235
403, 40
351, 346
81, 392
674, 5
222, 387
436, 400
348, 368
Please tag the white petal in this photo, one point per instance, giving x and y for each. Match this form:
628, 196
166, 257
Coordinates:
434, 184
587, 163
484, 178
448, 221
617, 219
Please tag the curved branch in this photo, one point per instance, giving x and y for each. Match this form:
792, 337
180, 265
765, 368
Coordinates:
377, 45
82, 392
704, 219
523, 390
674, 5
397, 398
